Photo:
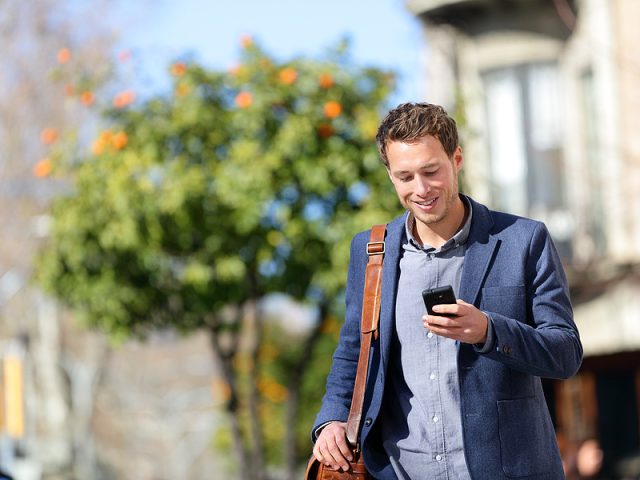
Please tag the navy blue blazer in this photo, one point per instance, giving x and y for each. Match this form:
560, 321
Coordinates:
511, 271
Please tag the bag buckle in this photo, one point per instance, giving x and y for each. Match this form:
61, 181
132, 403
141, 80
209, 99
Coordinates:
375, 248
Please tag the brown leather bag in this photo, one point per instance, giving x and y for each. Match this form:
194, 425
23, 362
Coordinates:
319, 471
369, 330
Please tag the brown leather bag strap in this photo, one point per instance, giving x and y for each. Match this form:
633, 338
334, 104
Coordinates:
369, 327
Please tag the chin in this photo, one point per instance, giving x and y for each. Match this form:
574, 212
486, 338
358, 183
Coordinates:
428, 219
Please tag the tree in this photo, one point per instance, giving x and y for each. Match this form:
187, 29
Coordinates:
38, 38
193, 207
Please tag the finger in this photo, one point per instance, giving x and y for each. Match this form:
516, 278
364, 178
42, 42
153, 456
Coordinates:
338, 459
450, 309
327, 451
444, 328
317, 453
344, 447
437, 321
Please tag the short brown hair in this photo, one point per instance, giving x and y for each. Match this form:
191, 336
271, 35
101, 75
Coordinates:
409, 122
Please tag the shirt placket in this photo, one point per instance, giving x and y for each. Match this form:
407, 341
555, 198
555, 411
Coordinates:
432, 352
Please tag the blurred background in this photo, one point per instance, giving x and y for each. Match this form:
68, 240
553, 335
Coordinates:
180, 182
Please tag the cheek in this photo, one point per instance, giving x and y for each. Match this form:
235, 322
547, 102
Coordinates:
402, 190
445, 181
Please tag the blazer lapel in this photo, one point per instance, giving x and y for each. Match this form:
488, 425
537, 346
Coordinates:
480, 250
393, 248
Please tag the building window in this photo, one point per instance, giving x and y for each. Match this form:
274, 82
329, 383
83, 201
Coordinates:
593, 153
524, 126
507, 143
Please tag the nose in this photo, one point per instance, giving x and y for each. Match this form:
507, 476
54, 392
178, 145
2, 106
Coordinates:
422, 186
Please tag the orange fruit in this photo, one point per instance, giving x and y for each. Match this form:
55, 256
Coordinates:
98, 146
105, 136
244, 100
64, 55
87, 98
43, 168
119, 140
288, 75
178, 69
48, 135
326, 80
124, 98
332, 109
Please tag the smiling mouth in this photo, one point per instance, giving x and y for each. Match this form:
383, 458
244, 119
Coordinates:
426, 203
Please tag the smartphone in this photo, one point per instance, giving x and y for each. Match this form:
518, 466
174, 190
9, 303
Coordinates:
438, 296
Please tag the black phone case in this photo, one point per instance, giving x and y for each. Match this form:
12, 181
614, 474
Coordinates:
437, 296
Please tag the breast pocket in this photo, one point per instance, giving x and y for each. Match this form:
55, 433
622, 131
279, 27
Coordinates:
509, 301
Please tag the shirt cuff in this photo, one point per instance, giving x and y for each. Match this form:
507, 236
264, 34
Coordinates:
487, 346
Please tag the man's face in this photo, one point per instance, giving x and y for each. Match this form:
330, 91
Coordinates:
426, 181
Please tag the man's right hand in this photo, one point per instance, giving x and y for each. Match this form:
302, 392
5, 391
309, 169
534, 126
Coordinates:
332, 448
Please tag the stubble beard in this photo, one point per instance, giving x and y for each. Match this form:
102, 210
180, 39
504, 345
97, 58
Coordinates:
433, 219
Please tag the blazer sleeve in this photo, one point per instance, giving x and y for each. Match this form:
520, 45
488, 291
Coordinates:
546, 343
339, 387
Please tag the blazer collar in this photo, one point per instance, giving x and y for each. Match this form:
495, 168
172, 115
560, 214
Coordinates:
481, 246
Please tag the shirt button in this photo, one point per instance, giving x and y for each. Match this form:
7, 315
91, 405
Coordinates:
438, 457
429, 335
435, 419
432, 376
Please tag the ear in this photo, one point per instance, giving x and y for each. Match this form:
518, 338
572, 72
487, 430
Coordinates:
458, 158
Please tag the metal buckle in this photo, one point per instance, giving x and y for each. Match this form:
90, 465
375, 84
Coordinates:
372, 250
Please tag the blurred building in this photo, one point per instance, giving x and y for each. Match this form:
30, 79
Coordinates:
546, 96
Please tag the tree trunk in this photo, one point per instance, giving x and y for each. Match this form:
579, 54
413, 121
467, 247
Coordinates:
85, 370
254, 317
54, 415
293, 401
224, 359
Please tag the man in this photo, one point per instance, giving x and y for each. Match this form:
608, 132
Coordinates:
456, 395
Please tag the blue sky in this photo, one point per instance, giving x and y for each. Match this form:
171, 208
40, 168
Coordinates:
382, 32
